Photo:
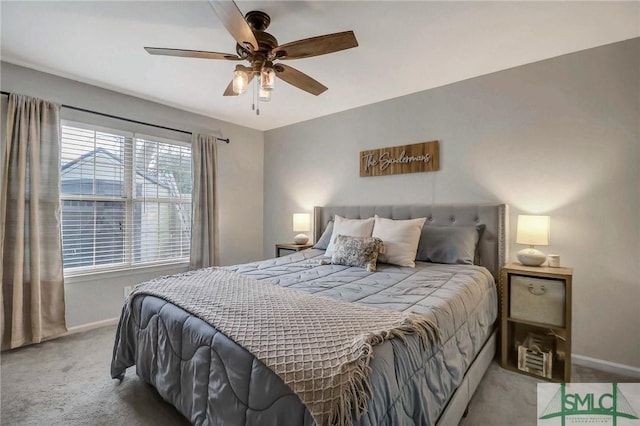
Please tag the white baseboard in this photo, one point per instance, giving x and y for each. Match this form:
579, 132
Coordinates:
91, 326
611, 367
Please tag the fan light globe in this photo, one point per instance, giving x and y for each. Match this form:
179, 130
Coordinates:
264, 95
240, 81
267, 77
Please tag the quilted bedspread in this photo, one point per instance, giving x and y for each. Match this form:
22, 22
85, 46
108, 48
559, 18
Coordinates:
212, 380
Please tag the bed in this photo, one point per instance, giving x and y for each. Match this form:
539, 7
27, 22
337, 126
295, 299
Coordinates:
211, 379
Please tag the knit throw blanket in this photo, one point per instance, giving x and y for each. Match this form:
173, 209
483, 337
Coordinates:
319, 346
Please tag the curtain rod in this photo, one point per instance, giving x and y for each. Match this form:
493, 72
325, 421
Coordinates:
127, 119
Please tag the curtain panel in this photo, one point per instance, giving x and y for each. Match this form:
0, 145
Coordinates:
30, 246
204, 223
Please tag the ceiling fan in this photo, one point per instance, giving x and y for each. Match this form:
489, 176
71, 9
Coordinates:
261, 50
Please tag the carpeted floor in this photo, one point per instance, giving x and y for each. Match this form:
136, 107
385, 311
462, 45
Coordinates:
66, 382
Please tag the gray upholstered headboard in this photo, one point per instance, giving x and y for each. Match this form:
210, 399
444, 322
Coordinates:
492, 247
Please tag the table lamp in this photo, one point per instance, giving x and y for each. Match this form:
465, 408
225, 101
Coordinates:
533, 231
301, 223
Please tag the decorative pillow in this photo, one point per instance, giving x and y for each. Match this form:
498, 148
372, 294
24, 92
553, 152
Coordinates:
350, 227
400, 239
325, 238
449, 244
356, 251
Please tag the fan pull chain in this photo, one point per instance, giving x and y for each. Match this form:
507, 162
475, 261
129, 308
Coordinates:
256, 93
253, 97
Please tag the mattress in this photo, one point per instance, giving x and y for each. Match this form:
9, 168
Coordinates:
212, 380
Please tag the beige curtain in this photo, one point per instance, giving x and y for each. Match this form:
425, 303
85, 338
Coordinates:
204, 224
31, 250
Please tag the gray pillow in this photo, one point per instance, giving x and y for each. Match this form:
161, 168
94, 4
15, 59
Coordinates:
449, 244
356, 251
323, 242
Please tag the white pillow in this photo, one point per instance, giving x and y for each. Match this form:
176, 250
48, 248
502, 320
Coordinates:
349, 227
400, 239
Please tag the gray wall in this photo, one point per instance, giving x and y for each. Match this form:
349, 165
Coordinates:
99, 296
557, 137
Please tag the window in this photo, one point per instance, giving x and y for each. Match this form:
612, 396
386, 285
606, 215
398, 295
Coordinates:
126, 198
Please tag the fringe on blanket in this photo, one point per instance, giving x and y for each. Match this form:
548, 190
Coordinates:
354, 399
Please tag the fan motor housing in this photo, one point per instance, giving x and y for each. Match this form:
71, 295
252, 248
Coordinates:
266, 41
258, 21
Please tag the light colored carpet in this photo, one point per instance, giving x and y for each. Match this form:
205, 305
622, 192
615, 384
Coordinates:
66, 382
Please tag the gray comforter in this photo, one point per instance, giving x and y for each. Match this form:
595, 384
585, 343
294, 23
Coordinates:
213, 381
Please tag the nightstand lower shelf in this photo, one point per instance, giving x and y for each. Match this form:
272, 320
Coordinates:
517, 332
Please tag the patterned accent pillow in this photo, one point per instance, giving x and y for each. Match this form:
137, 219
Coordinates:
352, 227
356, 251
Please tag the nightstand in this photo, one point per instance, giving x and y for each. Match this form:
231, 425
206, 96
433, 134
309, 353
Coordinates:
535, 321
291, 246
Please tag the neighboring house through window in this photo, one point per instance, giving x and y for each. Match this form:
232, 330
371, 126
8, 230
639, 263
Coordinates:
126, 198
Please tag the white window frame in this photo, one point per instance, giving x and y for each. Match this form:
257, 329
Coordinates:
129, 199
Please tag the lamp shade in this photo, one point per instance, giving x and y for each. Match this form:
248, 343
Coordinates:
533, 230
301, 222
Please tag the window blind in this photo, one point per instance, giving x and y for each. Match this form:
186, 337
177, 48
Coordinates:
125, 197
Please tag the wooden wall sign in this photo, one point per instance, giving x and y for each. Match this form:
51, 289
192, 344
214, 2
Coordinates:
418, 157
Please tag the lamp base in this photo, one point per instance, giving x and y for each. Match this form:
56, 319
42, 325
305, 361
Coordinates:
301, 239
531, 257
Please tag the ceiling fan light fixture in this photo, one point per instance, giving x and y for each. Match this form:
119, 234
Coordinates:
240, 81
267, 77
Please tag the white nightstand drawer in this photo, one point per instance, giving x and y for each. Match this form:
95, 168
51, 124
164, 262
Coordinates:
537, 299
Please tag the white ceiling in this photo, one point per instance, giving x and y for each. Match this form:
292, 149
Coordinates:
405, 47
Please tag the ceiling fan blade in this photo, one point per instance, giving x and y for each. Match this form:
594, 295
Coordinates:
229, 90
234, 22
192, 53
299, 79
315, 46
